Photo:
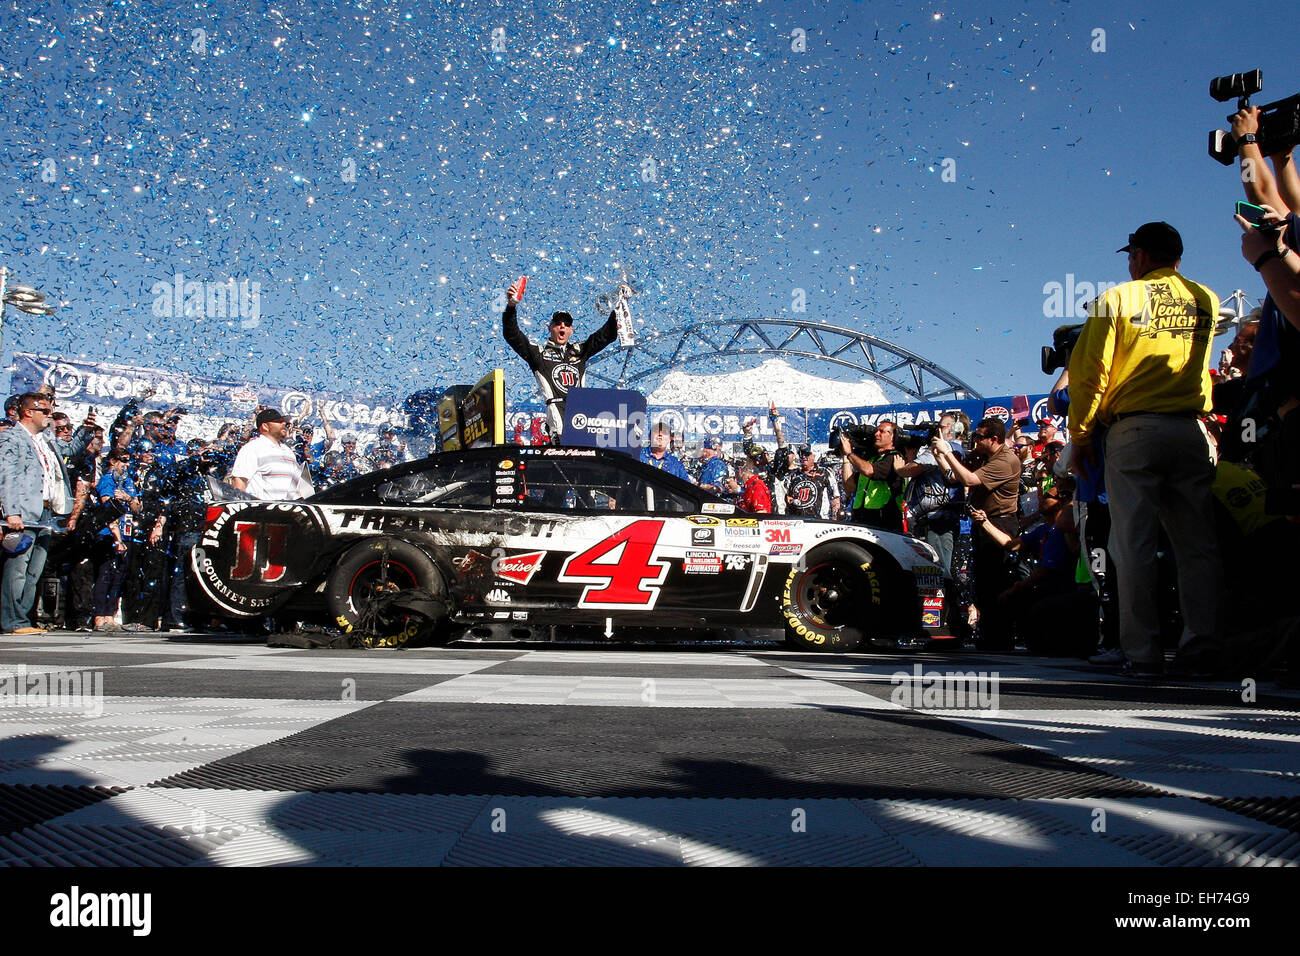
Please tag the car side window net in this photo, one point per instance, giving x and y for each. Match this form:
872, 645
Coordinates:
577, 485
459, 485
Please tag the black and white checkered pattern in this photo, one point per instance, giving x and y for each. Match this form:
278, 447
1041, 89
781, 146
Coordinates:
231, 753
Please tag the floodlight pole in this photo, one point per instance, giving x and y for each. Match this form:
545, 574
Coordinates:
24, 298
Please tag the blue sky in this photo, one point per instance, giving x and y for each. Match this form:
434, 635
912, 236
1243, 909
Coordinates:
381, 171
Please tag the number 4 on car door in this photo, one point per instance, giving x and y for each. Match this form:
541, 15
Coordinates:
621, 567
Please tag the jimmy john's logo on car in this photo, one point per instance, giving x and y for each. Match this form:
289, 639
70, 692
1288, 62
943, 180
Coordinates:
519, 568
252, 550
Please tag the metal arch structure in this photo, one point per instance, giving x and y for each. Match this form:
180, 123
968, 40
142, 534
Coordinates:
889, 364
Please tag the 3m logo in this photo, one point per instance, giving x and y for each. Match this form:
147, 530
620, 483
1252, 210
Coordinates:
778, 535
519, 568
259, 546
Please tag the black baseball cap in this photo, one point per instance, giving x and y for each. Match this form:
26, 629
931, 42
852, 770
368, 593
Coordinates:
269, 415
1159, 240
561, 318
805, 450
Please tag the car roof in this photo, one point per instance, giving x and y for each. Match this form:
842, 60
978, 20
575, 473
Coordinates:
345, 491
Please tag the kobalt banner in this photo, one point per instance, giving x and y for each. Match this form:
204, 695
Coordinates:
107, 387
813, 425
915, 414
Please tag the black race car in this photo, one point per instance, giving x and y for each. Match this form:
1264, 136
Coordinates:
571, 536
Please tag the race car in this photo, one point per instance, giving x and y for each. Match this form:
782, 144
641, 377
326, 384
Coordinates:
546, 536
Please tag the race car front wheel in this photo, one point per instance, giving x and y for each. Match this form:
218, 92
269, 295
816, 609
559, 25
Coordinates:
829, 603
388, 592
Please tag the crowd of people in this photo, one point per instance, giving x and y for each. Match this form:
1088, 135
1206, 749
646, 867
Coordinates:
974, 493
112, 512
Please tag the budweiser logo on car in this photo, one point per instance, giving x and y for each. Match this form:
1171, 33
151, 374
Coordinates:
518, 567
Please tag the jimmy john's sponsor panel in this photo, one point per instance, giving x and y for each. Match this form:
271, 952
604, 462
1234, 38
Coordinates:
252, 551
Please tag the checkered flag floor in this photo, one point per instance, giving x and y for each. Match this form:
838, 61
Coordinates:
199, 751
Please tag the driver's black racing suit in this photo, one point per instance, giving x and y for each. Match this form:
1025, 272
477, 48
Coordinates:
558, 368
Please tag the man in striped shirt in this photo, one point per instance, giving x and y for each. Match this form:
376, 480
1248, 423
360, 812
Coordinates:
266, 467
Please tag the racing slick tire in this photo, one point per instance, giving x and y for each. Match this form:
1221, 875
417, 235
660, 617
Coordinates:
828, 603
383, 566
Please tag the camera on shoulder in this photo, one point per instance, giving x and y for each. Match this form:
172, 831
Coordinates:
1279, 122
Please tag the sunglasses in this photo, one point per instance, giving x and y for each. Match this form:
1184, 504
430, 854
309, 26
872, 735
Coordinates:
568, 322
44, 411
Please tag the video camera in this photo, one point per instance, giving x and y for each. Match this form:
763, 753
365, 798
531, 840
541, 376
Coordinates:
917, 437
1057, 355
862, 439
1279, 123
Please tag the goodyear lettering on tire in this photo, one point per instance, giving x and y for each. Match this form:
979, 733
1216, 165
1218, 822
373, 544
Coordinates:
875, 582
796, 625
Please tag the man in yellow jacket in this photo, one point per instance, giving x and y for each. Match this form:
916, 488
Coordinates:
1139, 382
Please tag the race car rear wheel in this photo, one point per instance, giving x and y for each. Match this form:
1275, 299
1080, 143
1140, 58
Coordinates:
369, 575
828, 603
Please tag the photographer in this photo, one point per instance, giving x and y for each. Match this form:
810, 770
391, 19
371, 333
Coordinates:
876, 493
994, 488
1273, 396
934, 506
1269, 249
1274, 376
181, 526
1053, 613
